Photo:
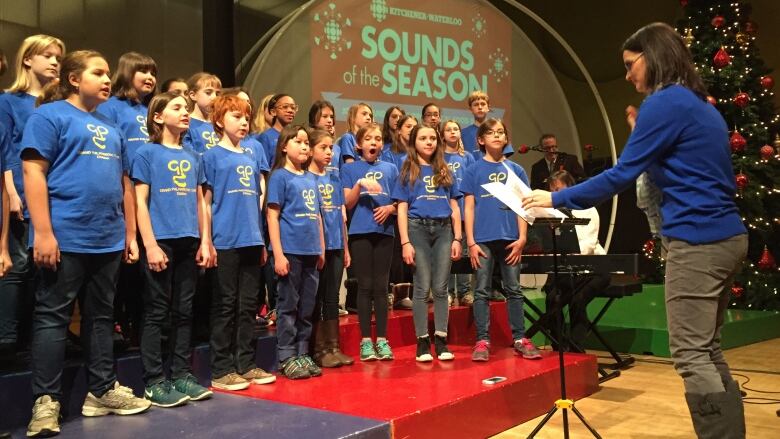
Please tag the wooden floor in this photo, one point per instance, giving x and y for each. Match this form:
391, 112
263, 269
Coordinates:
647, 400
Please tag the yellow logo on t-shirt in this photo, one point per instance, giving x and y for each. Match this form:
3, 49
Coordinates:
142, 125
210, 137
308, 196
374, 175
245, 171
430, 186
454, 166
99, 139
326, 191
497, 177
179, 169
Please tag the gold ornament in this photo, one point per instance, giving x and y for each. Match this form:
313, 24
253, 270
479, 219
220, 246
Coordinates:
742, 38
777, 143
688, 37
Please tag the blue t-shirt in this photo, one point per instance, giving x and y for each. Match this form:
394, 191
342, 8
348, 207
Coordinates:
468, 136
201, 136
492, 220
458, 165
86, 155
256, 148
173, 176
130, 118
299, 202
347, 144
683, 143
337, 161
425, 199
386, 175
332, 199
397, 159
234, 179
15, 109
5, 143
269, 138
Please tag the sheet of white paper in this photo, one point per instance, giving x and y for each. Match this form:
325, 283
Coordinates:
511, 194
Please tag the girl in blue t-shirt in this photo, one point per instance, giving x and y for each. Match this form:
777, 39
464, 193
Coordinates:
298, 244
132, 87
282, 109
398, 150
359, 116
494, 235
37, 64
233, 196
169, 196
322, 116
458, 161
368, 184
390, 126
203, 88
80, 203
326, 350
431, 238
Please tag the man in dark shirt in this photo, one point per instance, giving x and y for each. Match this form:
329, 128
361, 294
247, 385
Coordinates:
553, 161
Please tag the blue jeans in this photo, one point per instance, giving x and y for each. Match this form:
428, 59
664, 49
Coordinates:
16, 287
432, 241
510, 276
95, 276
294, 308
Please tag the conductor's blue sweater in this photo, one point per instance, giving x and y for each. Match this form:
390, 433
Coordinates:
683, 143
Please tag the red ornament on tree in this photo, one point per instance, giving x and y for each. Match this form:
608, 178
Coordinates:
718, 21
649, 246
767, 152
588, 147
751, 27
767, 82
737, 290
737, 142
712, 100
741, 99
522, 149
742, 181
767, 261
721, 58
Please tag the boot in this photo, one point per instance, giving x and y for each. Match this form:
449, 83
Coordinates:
717, 415
332, 342
322, 355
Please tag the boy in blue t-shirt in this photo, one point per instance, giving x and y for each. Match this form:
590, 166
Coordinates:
479, 105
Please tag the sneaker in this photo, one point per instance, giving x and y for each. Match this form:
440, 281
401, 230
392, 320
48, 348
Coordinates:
497, 296
343, 311
190, 386
383, 350
258, 376
449, 300
45, 417
440, 346
405, 303
526, 348
293, 369
163, 394
310, 366
467, 299
367, 351
481, 351
424, 350
119, 400
231, 381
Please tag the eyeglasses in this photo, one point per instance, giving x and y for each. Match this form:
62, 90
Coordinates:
630, 64
285, 107
431, 115
498, 133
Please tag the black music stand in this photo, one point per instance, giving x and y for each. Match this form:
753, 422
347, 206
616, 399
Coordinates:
563, 403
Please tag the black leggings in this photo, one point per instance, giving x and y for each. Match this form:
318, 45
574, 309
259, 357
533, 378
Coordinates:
327, 305
371, 253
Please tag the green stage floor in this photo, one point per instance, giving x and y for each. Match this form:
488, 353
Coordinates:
637, 324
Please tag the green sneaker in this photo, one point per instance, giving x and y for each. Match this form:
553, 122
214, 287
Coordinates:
45, 417
383, 350
163, 394
190, 386
367, 351
310, 366
294, 369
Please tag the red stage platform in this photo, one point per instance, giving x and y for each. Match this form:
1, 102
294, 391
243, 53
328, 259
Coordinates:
439, 399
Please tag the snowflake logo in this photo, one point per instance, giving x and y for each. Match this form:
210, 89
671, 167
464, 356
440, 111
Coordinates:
499, 66
479, 25
379, 9
333, 25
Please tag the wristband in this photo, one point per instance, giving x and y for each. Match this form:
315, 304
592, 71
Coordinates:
404, 243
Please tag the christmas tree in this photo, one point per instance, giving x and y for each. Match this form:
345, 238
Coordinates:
721, 36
